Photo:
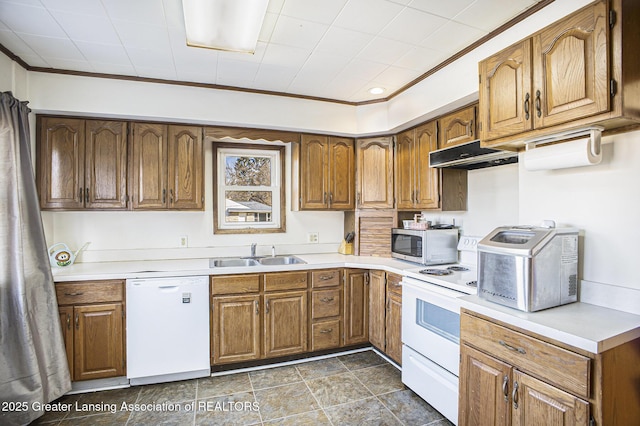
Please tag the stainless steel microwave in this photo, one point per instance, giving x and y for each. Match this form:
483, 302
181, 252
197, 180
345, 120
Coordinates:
426, 247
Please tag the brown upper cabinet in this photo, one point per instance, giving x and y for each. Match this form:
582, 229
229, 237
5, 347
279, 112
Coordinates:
566, 75
374, 173
167, 167
81, 164
324, 173
458, 127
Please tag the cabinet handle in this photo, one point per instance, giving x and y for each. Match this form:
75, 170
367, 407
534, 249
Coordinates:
330, 198
326, 277
505, 388
257, 308
417, 195
80, 194
326, 330
358, 197
171, 196
77, 321
86, 195
164, 196
78, 293
526, 106
512, 348
327, 299
266, 311
68, 322
514, 396
471, 128
324, 198
538, 106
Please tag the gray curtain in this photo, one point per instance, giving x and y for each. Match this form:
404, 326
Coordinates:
33, 364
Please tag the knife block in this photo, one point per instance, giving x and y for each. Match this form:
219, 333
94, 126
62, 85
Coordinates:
345, 248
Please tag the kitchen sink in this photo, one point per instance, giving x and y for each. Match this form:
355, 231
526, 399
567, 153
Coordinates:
281, 260
231, 262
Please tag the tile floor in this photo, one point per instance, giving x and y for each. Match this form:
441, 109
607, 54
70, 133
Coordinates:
354, 389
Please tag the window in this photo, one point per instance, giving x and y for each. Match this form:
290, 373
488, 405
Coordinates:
249, 188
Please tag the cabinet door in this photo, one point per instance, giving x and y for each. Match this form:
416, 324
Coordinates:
285, 318
377, 293
427, 186
571, 68
506, 100
405, 170
61, 163
393, 346
98, 341
458, 128
236, 328
149, 166
341, 174
485, 385
106, 164
356, 307
185, 168
537, 403
374, 173
314, 170
66, 321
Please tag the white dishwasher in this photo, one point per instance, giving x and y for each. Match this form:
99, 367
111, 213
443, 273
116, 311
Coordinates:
167, 329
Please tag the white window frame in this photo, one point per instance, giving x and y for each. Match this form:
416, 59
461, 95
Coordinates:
276, 224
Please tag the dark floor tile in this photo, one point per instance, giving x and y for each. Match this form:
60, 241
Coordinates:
287, 400
237, 409
119, 418
443, 422
381, 379
270, 377
312, 418
161, 418
56, 415
108, 401
364, 412
168, 392
362, 360
337, 389
410, 408
223, 385
320, 368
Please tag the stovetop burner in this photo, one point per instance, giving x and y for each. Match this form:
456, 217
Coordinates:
458, 268
436, 272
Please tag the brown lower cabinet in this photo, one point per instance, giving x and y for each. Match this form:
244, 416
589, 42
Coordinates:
92, 319
385, 313
326, 309
511, 377
356, 306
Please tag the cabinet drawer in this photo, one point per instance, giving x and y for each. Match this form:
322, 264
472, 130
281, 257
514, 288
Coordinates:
325, 303
325, 278
325, 335
235, 284
560, 367
393, 284
285, 281
76, 293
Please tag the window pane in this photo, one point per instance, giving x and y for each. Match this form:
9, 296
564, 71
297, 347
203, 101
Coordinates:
248, 206
248, 171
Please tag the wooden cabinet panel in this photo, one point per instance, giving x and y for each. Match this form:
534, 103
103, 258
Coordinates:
98, 341
235, 284
314, 167
485, 383
105, 164
356, 306
506, 98
537, 403
66, 322
405, 172
185, 168
285, 281
373, 232
393, 332
457, 128
148, 171
427, 179
236, 328
325, 303
84, 292
325, 334
374, 173
326, 278
285, 330
377, 296
571, 67
341, 174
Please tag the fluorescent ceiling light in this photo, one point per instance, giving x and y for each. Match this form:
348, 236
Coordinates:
224, 24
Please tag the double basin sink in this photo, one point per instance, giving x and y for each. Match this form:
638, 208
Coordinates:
222, 262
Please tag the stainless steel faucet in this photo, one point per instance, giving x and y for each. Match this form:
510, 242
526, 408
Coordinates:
253, 249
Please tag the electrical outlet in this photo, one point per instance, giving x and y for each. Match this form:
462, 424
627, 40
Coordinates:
313, 237
184, 241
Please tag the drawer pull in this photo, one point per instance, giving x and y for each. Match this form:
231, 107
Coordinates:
78, 293
327, 299
68, 322
326, 277
505, 388
512, 348
77, 322
514, 396
266, 310
257, 308
326, 330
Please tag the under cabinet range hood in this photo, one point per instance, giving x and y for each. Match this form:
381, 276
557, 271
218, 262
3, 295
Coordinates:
470, 156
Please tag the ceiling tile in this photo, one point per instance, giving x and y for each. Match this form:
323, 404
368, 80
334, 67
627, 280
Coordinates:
87, 7
275, 6
324, 11
384, 50
92, 28
421, 59
297, 32
231, 73
207, 76
139, 11
446, 9
285, 55
268, 25
442, 39
118, 69
107, 53
367, 16
173, 13
40, 21
150, 58
50, 47
341, 41
65, 64
275, 77
15, 44
35, 60
481, 14
363, 69
157, 72
412, 25
396, 77
143, 36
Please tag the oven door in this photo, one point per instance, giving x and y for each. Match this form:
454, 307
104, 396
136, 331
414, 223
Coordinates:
431, 322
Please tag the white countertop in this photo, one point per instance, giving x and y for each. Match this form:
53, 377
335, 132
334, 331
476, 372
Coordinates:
582, 325
585, 326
